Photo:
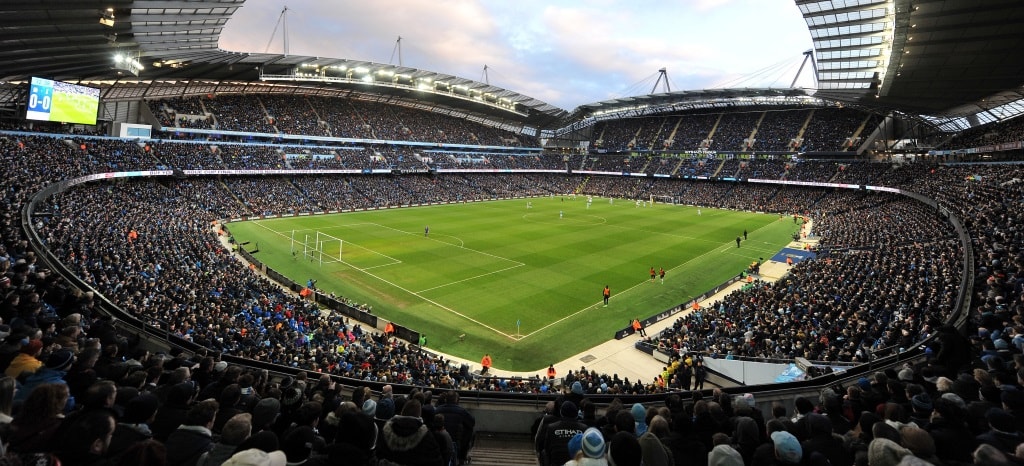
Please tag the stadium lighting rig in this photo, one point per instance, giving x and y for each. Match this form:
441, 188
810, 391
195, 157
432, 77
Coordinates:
107, 17
386, 76
127, 61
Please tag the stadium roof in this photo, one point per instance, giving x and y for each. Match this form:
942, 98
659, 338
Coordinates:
945, 59
178, 40
931, 57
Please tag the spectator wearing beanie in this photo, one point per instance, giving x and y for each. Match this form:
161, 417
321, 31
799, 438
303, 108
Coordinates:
575, 447
57, 365
265, 414
576, 394
921, 406
27, 359
885, 452
228, 401
1002, 432
919, 443
764, 454
308, 415
355, 433
953, 440
592, 449
134, 425
234, 432
624, 450
976, 410
553, 443
721, 455
787, 448
639, 413
297, 445
821, 440
174, 412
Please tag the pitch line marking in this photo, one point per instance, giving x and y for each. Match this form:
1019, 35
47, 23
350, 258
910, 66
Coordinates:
424, 298
470, 278
599, 305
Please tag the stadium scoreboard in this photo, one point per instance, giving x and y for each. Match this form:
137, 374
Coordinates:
63, 102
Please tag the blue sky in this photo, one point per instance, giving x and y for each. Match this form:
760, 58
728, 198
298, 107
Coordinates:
566, 53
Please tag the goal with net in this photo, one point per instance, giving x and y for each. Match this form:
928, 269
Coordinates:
317, 247
664, 199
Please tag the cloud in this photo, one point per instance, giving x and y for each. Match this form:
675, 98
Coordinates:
558, 51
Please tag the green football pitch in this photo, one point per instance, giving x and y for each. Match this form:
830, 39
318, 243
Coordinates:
523, 284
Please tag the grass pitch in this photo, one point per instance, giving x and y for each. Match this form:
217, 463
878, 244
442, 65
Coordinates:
486, 266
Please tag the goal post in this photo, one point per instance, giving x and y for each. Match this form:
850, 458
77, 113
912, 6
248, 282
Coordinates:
329, 246
318, 247
671, 200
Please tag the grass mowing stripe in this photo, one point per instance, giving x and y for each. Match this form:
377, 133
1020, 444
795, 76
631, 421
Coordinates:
467, 283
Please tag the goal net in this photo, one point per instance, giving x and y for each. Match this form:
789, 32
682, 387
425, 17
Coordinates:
318, 247
664, 199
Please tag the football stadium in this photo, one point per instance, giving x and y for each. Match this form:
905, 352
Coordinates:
250, 258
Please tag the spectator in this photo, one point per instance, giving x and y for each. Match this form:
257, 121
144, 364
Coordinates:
32, 430
405, 439
235, 431
459, 423
552, 443
187, 443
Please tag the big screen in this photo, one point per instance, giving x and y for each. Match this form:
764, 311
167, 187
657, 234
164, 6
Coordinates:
50, 100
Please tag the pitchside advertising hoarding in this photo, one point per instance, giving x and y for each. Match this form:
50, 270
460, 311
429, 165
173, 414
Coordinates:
63, 102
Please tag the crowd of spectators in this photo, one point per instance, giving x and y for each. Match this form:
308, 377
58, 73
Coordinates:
692, 131
733, 131
328, 116
1000, 132
777, 130
827, 129
180, 112
293, 115
239, 113
148, 247
619, 135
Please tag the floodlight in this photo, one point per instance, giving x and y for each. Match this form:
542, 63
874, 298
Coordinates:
128, 62
107, 17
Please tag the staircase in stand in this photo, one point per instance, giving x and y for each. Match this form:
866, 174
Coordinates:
498, 449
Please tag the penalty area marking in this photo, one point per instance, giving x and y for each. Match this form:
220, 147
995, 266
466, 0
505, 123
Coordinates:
424, 298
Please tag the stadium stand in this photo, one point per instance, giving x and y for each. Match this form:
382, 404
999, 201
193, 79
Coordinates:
897, 291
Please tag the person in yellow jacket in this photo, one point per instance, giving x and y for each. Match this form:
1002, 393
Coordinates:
27, 360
